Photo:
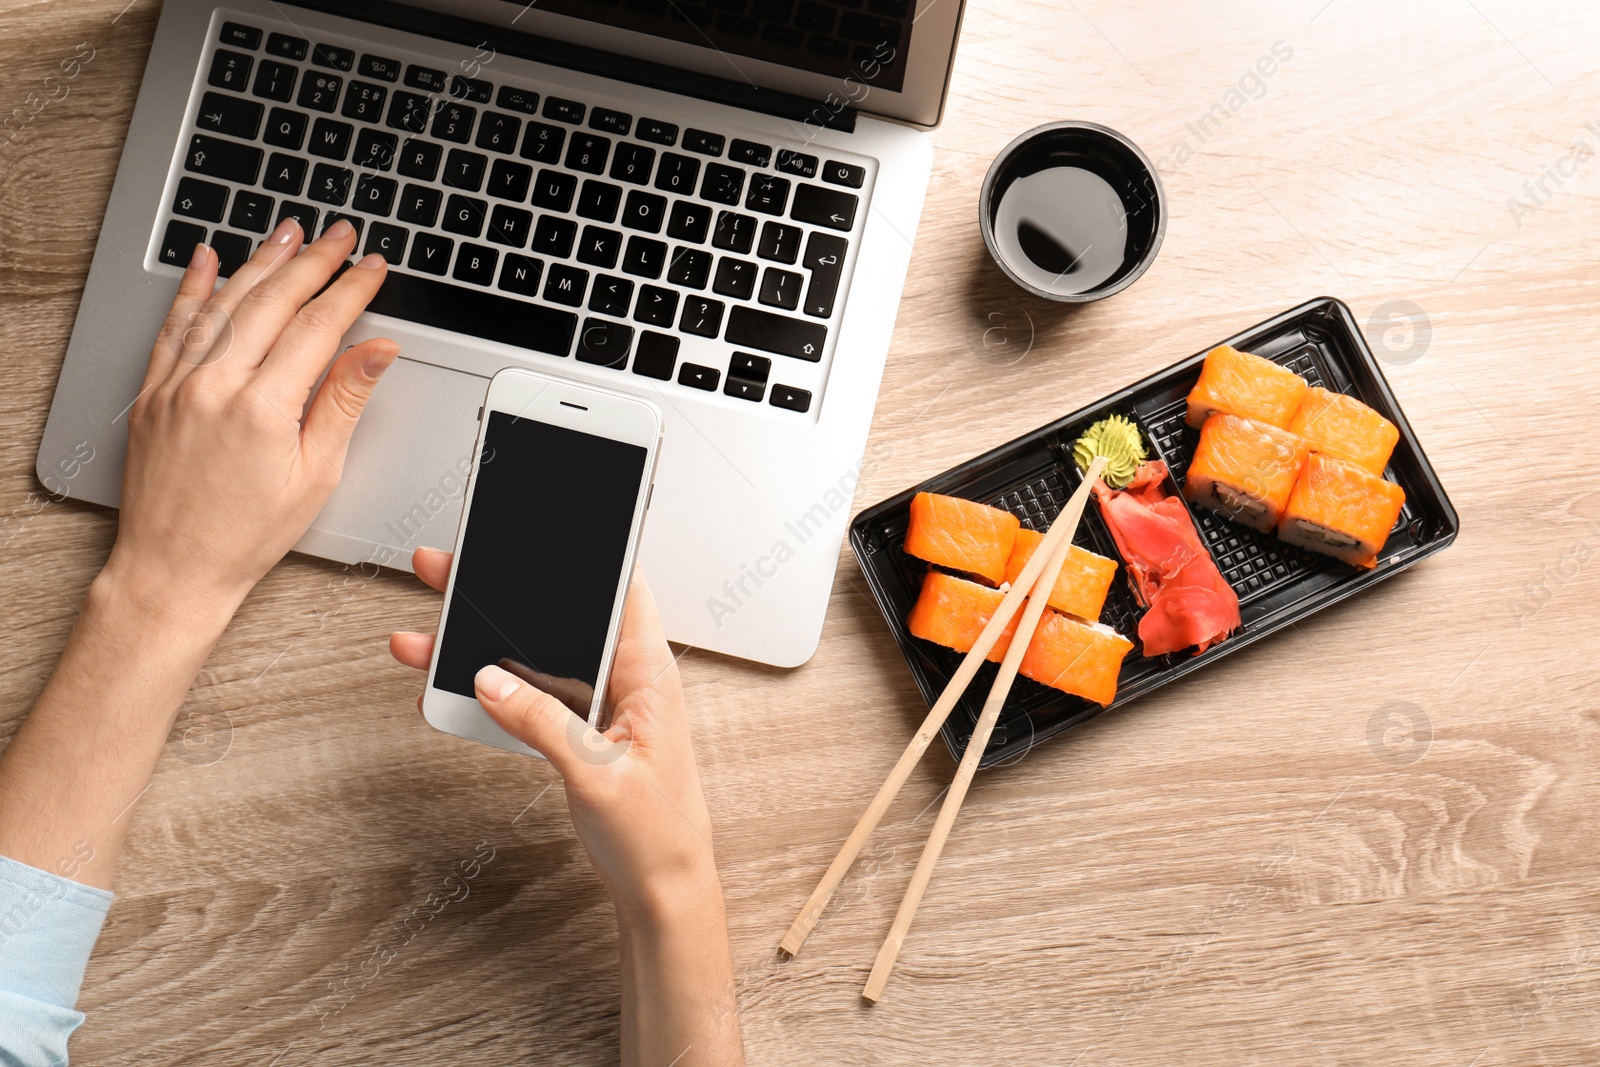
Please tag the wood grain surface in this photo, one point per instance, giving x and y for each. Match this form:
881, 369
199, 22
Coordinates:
1262, 865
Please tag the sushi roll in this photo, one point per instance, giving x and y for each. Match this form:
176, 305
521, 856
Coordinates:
1343, 426
952, 612
1340, 510
1082, 658
1244, 470
962, 535
1238, 383
1085, 577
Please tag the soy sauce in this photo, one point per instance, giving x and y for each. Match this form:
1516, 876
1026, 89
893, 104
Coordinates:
1063, 229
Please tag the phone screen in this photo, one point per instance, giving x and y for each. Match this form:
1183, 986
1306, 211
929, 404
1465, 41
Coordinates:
540, 558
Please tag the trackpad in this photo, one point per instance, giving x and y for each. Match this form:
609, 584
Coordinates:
406, 473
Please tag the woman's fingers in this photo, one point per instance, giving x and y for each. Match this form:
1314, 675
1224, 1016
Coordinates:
179, 332
312, 334
411, 649
643, 659
340, 400
540, 721
432, 566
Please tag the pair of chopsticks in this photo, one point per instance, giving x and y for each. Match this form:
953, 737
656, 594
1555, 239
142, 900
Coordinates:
1035, 582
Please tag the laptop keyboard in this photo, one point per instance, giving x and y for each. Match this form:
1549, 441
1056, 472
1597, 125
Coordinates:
699, 257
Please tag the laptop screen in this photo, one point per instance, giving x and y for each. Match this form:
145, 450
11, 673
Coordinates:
864, 40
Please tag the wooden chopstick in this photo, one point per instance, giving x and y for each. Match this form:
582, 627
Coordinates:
1059, 531
1039, 594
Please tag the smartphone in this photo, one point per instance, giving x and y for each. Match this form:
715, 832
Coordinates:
555, 505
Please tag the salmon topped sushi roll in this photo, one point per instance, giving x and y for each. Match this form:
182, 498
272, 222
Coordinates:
1340, 510
1238, 383
952, 612
1245, 470
1343, 426
1082, 658
1085, 577
962, 535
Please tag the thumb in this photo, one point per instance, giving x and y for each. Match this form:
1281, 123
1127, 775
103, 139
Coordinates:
542, 722
344, 393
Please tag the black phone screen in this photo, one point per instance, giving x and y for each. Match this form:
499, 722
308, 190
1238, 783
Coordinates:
540, 558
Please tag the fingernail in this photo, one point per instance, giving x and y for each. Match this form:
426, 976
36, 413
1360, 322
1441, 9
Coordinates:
378, 360
495, 683
199, 256
339, 230
370, 261
286, 231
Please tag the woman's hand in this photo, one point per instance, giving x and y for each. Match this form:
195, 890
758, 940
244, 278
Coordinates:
227, 466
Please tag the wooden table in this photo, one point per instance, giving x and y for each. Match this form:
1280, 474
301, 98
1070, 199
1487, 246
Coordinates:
1263, 865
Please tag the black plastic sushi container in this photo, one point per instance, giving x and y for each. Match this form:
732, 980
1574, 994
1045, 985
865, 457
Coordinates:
1032, 477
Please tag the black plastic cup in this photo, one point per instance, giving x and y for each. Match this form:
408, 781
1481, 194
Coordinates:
1059, 200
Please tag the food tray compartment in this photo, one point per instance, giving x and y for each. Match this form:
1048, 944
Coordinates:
1033, 475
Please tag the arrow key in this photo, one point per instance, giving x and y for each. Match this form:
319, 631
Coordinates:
200, 200
832, 208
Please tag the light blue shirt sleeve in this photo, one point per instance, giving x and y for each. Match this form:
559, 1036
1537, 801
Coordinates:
48, 926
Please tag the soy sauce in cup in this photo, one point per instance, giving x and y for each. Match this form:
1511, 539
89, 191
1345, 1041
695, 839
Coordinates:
1072, 211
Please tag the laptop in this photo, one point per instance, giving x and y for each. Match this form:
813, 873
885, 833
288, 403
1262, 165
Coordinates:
709, 203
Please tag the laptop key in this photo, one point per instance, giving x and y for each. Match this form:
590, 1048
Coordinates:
542, 142
240, 35
284, 174
232, 250
333, 57
420, 205
375, 149
608, 121
677, 173
330, 139
787, 396
498, 132
563, 110
375, 195
339, 216
510, 226
513, 99
252, 211
554, 237
553, 190
230, 70
363, 101
600, 247
454, 122
644, 257
287, 46
707, 144
319, 92
330, 184
611, 295
780, 242
735, 232
657, 132
657, 306
757, 155
425, 78
750, 328
722, 184
464, 215
232, 115
750, 368
228, 160
378, 67
565, 285
475, 264
632, 162
701, 317
825, 260
689, 221
286, 129
409, 112
464, 170
844, 174
475, 312
735, 278
744, 390
690, 267
420, 159
177, 244
304, 214
698, 377
275, 81
429, 253
768, 194
644, 211
657, 354
388, 240
520, 274
587, 152
604, 343
599, 200
824, 207
509, 181
791, 162
200, 200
